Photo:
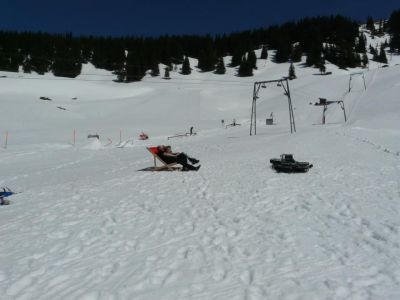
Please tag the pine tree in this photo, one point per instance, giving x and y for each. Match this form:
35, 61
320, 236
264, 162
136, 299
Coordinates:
283, 51
292, 72
395, 43
357, 59
134, 66
166, 73
4, 61
296, 53
341, 60
330, 53
117, 58
236, 58
394, 29
67, 60
361, 43
380, 30
382, 55
314, 57
155, 69
370, 24
352, 59
186, 70
9, 62
35, 62
220, 67
177, 53
322, 68
386, 43
372, 50
252, 60
365, 60
207, 60
245, 69
264, 52
375, 54
10, 53
121, 74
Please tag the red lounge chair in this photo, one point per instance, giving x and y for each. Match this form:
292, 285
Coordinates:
165, 166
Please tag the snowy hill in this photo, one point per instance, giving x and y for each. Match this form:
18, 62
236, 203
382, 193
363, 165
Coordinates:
89, 225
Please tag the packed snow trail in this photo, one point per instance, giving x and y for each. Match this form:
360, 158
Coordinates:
220, 233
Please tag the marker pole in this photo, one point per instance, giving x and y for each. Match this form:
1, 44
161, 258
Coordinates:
6, 143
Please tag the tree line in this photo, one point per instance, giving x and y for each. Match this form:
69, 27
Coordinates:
336, 39
393, 26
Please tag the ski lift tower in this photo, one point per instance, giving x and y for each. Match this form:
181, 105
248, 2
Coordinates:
323, 102
284, 83
357, 74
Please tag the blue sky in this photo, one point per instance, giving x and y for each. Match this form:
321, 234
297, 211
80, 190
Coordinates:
156, 17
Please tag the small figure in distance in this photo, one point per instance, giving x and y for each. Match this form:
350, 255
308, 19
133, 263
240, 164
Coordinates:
233, 124
166, 154
143, 136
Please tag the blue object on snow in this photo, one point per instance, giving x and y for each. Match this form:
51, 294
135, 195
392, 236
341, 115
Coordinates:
6, 193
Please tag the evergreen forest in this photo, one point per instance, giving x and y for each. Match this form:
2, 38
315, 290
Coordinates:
336, 39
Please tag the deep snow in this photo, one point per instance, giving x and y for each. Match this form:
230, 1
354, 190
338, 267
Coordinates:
89, 225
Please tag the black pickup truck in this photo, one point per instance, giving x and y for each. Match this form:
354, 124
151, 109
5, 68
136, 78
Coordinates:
287, 164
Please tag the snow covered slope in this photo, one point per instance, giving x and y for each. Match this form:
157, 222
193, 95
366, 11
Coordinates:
89, 225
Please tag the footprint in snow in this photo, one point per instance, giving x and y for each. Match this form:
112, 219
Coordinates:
74, 250
93, 295
219, 274
109, 270
160, 276
129, 245
247, 277
3, 276
255, 293
58, 280
183, 252
25, 282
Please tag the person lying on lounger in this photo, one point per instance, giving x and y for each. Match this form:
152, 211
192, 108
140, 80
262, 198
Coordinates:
166, 154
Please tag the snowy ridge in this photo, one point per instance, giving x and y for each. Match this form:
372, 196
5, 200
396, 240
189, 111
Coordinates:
89, 225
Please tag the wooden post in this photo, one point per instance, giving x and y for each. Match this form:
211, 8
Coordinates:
365, 86
323, 113
341, 103
350, 84
6, 142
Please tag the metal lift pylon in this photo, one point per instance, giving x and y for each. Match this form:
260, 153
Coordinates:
284, 83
